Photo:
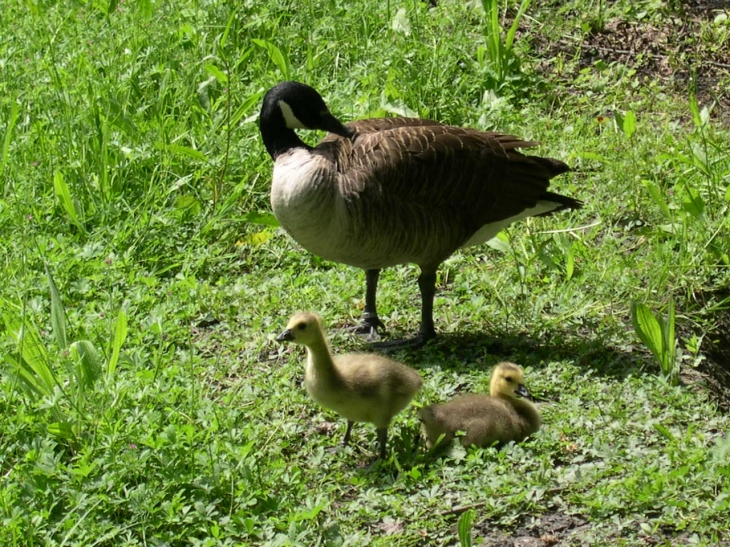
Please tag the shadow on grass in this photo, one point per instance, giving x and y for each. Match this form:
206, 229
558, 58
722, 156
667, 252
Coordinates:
475, 350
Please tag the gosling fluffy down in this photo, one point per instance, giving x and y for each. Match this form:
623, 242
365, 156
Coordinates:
499, 417
360, 387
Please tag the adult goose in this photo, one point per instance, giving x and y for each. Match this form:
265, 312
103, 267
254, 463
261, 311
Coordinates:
380, 192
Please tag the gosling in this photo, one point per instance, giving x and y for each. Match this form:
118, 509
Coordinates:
360, 387
499, 417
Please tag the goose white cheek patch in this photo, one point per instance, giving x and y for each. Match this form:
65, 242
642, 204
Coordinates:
292, 122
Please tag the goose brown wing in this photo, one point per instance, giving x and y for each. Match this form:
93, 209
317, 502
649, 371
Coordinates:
374, 125
481, 175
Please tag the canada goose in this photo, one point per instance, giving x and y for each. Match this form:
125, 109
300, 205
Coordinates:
485, 419
360, 387
380, 192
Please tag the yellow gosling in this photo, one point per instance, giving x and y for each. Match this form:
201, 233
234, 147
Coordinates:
499, 417
360, 387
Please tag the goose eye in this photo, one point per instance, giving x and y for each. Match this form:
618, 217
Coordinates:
301, 326
508, 379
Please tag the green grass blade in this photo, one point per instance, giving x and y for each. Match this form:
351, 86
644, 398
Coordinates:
217, 73
244, 108
58, 313
515, 24
186, 151
693, 203
120, 334
227, 30
670, 344
14, 111
145, 7
465, 528
276, 56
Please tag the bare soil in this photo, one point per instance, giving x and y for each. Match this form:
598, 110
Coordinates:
680, 51
716, 367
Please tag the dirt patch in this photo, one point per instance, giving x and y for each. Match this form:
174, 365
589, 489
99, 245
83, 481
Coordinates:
686, 51
716, 367
554, 529
563, 530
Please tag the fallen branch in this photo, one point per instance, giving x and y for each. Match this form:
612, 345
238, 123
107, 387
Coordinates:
633, 53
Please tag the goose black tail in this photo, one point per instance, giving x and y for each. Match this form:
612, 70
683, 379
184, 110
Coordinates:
562, 202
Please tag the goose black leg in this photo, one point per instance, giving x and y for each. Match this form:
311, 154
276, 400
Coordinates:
427, 285
370, 322
382, 441
346, 440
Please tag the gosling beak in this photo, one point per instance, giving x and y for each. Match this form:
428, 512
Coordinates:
285, 336
329, 123
522, 391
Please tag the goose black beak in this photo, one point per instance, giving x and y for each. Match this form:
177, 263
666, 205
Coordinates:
329, 123
285, 336
522, 391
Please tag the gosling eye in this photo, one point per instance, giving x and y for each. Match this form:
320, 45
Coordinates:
301, 326
508, 379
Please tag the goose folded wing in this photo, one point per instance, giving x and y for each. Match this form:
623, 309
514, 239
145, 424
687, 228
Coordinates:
482, 175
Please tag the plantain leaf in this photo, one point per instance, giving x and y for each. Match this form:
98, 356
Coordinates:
58, 313
267, 219
62, 430
34, 359
648, 328
64, 195
217, 73
657, 197
120, 334
88, 362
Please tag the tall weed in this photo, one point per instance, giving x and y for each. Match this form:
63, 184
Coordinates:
500, 53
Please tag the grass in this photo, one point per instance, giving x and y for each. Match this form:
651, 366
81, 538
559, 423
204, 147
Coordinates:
144, 401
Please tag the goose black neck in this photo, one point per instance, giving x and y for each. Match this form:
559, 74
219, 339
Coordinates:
277, 137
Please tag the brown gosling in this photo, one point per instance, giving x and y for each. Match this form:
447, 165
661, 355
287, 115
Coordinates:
360, 387
499, 417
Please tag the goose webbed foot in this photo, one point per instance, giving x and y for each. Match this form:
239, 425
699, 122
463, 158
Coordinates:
416, 342
368, 327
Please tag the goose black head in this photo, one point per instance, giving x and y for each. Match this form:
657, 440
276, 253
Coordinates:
301, 107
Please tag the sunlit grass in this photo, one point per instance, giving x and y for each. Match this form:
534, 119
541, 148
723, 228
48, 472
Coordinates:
144, 400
